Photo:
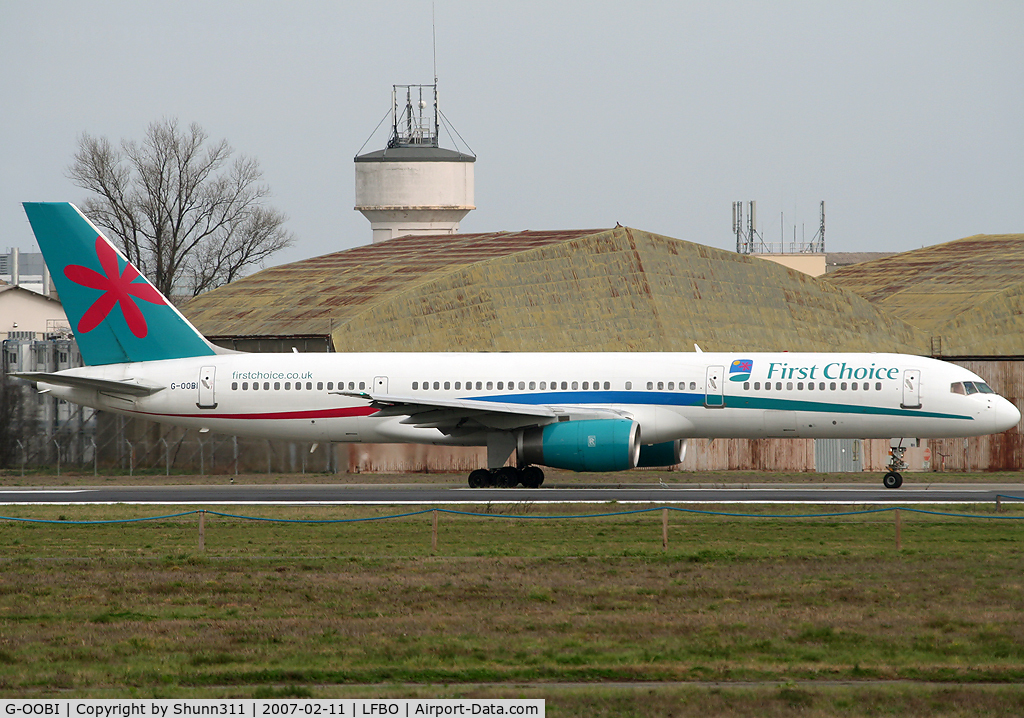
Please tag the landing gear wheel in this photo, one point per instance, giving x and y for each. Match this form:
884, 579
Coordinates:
533, 477
507, 477
479, 479
892, 480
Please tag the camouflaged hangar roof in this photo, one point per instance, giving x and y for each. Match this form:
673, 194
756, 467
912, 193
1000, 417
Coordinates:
966, 296
618, 289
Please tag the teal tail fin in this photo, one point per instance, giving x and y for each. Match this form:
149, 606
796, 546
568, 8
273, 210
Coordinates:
116, 314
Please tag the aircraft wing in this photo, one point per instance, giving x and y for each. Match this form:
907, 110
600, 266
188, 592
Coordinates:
451, 415
109, 386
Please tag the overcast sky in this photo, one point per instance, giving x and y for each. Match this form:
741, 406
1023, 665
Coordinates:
907, 118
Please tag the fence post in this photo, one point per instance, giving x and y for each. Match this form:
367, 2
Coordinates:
999, 503
57, 444
234, 441
664, 529
898, 527
202, 465
131, 458
95, 458
202, 531
433, 538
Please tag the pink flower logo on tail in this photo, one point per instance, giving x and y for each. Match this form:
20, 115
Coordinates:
117, 289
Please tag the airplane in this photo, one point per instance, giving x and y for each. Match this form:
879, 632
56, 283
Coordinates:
583, 411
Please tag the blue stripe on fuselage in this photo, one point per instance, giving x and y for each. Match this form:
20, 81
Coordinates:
654, 398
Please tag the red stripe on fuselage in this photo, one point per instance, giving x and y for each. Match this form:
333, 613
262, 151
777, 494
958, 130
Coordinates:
318, 414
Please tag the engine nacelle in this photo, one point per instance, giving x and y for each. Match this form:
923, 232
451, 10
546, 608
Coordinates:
668, 453
590, 445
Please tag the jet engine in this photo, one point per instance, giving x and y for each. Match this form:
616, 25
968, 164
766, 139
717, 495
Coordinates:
588, 445
668, 453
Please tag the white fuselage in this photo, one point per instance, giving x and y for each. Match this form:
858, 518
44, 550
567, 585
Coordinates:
671, 395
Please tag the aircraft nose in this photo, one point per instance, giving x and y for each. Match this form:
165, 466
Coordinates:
1007, 415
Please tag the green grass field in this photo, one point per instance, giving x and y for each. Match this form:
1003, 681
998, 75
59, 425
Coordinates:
740, 616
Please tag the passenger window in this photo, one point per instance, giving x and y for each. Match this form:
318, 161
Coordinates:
853, 386
522, 385
415, 385
832, 386
586, 385
661, 386
810, 386
351, 385
501, 385
866, 386
629, 385
842, 386
298, 385
746, 385
479, 385
245, 386
693, 385
757, 386
490, 385
767, 386
362, 385
607, 385
778, 386
255, 386
330, 386
266, 386
437, 385
543, 385
575, 386
319, 386
565, 385
878, 386
650, 385
447, 385
800, 385
277, 386
789, 386
671, 386
821, 386
234, 386
458, 385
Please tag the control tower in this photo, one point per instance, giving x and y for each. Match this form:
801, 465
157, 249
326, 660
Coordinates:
414, 186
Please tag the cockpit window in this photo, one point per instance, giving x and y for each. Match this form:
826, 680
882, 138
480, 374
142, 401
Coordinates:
970, 387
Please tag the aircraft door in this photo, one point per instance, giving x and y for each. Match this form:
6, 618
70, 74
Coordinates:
207, 400
911, 389
380, 384
714, 387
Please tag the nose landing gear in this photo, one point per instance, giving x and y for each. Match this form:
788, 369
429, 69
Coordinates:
893, 478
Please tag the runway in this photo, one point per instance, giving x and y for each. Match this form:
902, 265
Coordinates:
447, 494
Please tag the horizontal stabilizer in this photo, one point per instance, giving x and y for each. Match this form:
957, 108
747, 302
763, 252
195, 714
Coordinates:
110, 386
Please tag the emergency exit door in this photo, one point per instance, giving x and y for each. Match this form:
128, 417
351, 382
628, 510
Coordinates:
207, 400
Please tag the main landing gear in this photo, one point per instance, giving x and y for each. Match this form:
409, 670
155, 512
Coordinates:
507, 477
893, 478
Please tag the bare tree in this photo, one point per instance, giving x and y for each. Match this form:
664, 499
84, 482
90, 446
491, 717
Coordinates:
186, 214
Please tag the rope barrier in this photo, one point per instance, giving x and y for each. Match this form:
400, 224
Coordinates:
705, 512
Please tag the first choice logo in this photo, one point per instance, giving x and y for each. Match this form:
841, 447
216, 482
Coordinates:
835, 370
